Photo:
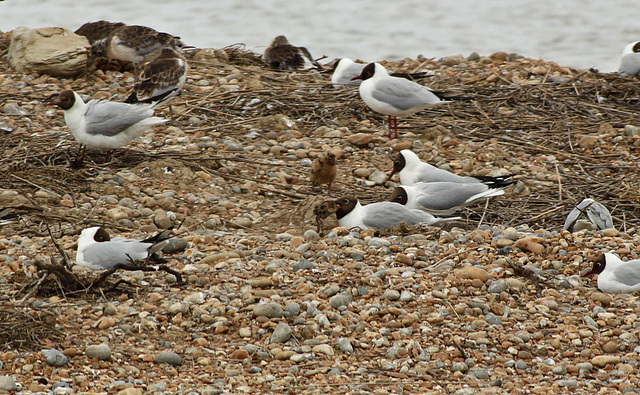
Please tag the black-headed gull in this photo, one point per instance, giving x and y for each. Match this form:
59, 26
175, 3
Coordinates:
630, 61
161, 79
394, 96
616, 276
97, 250
281, 55
380, 215
412, 170
589, 214
324, 170
133, 43
345, 70
442, 198
105, 125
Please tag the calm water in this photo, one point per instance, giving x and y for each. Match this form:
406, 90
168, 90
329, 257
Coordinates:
579, 33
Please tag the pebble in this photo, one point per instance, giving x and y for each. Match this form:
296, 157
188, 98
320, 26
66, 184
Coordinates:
390, 294
344, 344
360, 139
497, 286
8, 383
459, 367
471, 273
340, 300
168, 357
55, 357
479, 373
99, 351
493, 319
269, 310
281, 334
603, 360
323, 349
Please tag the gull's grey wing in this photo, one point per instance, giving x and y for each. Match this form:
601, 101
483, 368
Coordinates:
430, 173
389, 214
628, 274
110, 253
630, 64
599, 215
110, 118
445, 195
403, 94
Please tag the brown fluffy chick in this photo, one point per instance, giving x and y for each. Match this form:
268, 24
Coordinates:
324, 170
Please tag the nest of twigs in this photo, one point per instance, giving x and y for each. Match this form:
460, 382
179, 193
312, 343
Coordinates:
26, 328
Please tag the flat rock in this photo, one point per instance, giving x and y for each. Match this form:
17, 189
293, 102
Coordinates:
49, 50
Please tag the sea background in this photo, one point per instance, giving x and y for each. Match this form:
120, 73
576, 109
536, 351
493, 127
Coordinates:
578, 33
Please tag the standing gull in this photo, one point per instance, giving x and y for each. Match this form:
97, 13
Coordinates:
630, 61
351, 214
97, 250
412, 170
616, 276
395, 96
442, 198
105, 125
281, 55
161, 79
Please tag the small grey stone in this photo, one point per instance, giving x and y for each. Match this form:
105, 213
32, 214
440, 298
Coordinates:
269, 310
322, 320
590, 321
281, 334
568, 383
100, 351
158, 387
480, 373
520, 364
584, 367
379, 177
342, 299
407, 296
55, 357
8, 383
292, 309
496, 383
344, 344
255, 369
378, 242
390, 294
459, 367
60, 384
12, 109
331, 290
174, 245
497, 286
559, 370
311, 235
493, 319
168, 357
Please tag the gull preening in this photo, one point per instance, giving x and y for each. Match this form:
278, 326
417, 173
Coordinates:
281, 55
345, 70
588, 214
95, 31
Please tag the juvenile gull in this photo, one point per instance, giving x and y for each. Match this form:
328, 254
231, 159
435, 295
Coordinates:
105, 125
161, 79
630, 60
395, 96
97, 250
98, 30
281, 55
616, 276
589, 214
351, 214
412, 170
133, 43
442, 198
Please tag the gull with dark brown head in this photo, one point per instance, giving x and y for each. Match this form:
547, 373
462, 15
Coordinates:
395, 96
615, 275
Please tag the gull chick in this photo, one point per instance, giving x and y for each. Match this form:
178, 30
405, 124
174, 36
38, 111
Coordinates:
324, 170
395, 96
442, 198
351, 214
412, 170
105, 125
616, 276
161, 79
630, 60
281, 55
97, 250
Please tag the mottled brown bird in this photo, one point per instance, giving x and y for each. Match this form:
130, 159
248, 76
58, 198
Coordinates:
281, 55
324, 170
98, 30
